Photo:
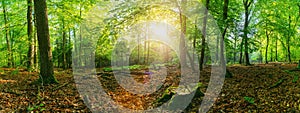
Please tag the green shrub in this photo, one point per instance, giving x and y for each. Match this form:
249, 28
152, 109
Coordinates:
107, 69
134, 67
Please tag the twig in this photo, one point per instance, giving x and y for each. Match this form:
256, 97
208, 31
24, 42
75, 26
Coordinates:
63, 85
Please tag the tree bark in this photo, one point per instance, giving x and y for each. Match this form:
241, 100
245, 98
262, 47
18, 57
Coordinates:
69, 52
241, 52
222, 47
30, 55
276, 49
36, 64
182, 36
288, 41
266, 55
138, 51
64, 41
247, 5
46, 67
6, 28
204, 36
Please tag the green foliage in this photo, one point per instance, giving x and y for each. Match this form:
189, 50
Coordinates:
277, 83
133, 67
295, 79
107, 69
249, 99
38, 108
136, 67
167, 95
288, 71
295, 76
15, 72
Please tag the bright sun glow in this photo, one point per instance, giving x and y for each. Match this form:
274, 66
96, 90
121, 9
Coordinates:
159, 29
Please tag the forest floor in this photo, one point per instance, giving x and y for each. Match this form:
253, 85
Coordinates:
270, 87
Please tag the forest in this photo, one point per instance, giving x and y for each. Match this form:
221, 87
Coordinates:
150, 56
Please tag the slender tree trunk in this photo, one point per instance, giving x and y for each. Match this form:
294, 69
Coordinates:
12, 35
217, 50
46, 68
241, 52
247, 5
138, 51
6, 28
276, 50
271, 49
145, 45
222, 47
75, 62
64, 41
57, 58
69, 52
194, 44
203, 45
266, 55
234, 50
148, 52
182, 36
80, 39
288, 41
30, 62
35, 45
145, 49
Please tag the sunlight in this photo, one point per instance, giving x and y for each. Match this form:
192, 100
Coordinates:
159, 29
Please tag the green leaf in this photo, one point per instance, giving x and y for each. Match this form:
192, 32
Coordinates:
41, 105
30, 108
249, 100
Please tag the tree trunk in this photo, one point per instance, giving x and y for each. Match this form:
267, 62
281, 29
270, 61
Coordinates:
46, 67
12, 35
194, 45
69, 52
182, 36
64, 41
288, 41
79, 60
75, 62
6, 28
234, 50
138, 51
145, 45
222, 47
247, 5
266, 55
203, 36
148, 52
30, 55
241, 52
36, 64
276, 49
